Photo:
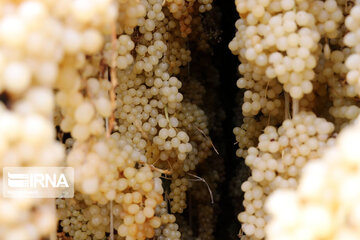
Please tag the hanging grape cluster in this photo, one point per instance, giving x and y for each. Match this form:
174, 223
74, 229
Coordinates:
97, 86
303, 55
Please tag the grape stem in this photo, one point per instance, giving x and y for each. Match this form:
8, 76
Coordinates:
114, 81
111, 202
164, 171
167, 115
53, 234
137, 124
111, 221
152, 167
207, 138
204, 181
295, 106
287, 106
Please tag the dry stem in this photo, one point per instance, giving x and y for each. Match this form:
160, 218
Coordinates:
295, 106
207, 138
287, 106
111, 221
204, 181
139, 127
114, 81
164, 171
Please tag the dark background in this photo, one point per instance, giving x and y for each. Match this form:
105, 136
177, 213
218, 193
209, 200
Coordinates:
227, 224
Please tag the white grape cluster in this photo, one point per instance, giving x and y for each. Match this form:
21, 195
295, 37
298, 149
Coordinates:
107, 157
277, 162
184, 11
279, 39
177, 195
326, 203
129, 12
262, 96
293, 58
123, 47
106, 171
83, 219
331, 71
247, 134
83, 116
27, 218
37, 38
169, 229
320, 203
104, 73
29, 138
351, 40
194, 121
149, 105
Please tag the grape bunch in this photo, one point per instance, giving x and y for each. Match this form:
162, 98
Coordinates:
303, 55
96, 85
